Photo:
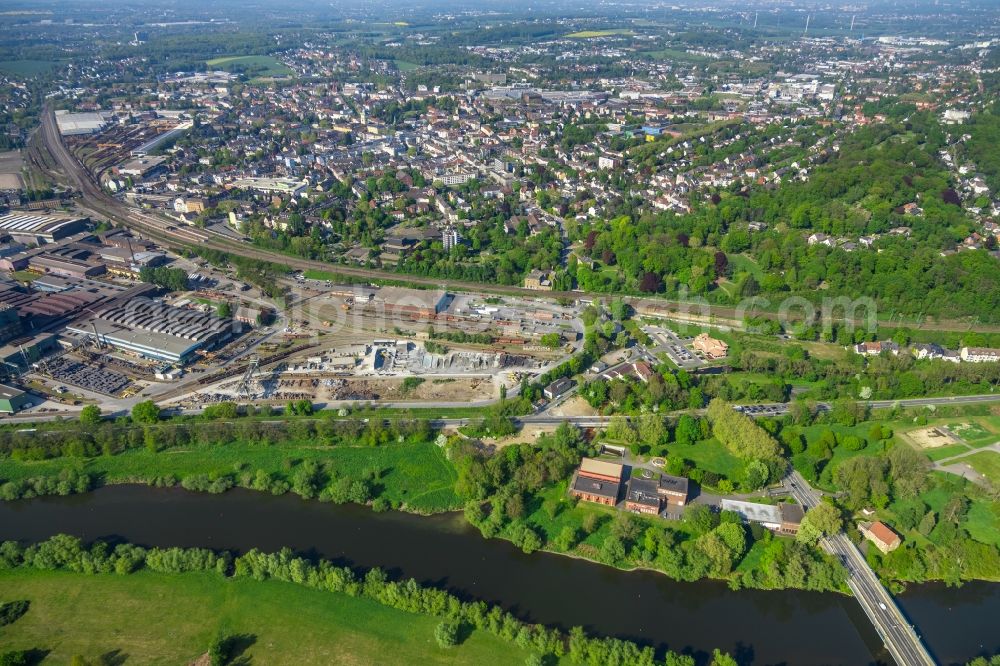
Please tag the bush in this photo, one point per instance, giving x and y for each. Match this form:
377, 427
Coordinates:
446, 634
16, 658
12, 611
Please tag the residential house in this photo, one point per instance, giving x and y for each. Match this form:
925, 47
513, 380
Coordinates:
979, 355
880, 534
876, 348
934, 351
538, 280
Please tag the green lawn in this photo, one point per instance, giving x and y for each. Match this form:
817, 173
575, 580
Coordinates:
709, 455
152, 618
946, 451
983, 520
676, 54
25, 276
314, 274
405, 66
741, 262
415, 474
986, 463
258, 65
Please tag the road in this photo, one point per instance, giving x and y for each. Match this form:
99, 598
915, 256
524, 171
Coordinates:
763, 410
163, 230
897, 633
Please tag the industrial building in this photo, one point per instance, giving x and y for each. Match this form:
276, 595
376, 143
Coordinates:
37, 228
155, 330
160, 140
19, 354
142, 167
783, 518
13, 400
73, 124
412, 301
286, 186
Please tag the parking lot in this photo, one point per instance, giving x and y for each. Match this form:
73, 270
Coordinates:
668, 342
761, 410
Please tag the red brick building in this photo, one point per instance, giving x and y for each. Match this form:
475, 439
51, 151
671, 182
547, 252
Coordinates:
597, 481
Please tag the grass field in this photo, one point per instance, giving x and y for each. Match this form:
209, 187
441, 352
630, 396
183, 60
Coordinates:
986, 463
592, 34
27, 67
315, 274
405, 66
25, 276
676, 54
709, 455
416, 475
983, 520
152, 618
981, 431
266, 66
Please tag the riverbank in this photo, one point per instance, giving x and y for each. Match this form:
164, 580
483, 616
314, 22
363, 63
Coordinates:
442, 551
409, 476
159, 618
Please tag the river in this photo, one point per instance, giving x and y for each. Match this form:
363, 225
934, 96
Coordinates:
779, 627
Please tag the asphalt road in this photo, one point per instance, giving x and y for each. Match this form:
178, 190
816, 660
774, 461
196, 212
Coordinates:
899, 636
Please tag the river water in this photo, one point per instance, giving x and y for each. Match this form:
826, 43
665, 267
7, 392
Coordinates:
779, 627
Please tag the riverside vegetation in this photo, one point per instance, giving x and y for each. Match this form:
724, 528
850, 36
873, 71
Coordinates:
25, 566
519, 493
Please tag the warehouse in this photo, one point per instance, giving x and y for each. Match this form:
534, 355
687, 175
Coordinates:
13, 400
65, 266
155, 330
420, 303
73, 124
37, 228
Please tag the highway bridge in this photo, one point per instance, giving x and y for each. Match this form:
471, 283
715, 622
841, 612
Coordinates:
900, 637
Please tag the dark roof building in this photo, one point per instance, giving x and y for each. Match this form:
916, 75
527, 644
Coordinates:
558, 387
598, 481
643, 495
674, 489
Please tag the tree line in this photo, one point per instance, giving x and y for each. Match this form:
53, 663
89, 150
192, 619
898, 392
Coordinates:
67, 553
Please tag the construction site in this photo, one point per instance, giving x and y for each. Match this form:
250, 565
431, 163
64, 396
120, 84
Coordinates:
381, 370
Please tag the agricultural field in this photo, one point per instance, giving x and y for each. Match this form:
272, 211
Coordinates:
593, 34
154, 618
261, 66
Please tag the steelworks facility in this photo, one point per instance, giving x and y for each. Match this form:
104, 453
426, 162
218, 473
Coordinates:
157, 331
38, 228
